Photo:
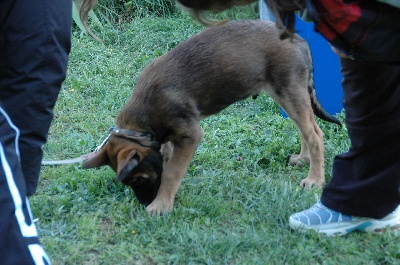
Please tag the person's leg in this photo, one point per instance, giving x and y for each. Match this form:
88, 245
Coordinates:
365, 180
19, 243
34, 46
35, 40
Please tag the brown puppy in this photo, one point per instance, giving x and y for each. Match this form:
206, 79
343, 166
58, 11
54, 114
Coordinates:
198, 78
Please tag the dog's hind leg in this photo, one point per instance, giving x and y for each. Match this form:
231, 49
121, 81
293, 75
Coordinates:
299, 110
184, 148
312, 151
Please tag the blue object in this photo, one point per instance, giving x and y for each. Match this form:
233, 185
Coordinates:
327, 76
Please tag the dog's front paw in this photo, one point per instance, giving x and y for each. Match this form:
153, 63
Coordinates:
159, 207
311, 182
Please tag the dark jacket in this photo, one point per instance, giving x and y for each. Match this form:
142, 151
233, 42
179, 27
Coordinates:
363, 30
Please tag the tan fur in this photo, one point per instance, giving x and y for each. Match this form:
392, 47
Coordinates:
202, 76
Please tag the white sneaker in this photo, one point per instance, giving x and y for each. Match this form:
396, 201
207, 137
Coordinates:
330, 222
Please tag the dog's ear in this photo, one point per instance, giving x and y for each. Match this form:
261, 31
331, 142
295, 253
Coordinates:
166, 151
126, 165
98, 160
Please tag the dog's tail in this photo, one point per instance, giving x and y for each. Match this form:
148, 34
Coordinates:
319, 111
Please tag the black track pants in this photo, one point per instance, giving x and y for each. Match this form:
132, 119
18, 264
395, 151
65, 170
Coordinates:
35, 39
34, 47
19, 243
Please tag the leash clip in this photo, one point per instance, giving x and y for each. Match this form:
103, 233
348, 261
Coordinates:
98, 148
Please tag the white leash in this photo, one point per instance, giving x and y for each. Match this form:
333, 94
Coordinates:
77, 159
69, 161
142, 138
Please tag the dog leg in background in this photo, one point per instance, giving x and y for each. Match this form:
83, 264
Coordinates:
174, 170
303, 158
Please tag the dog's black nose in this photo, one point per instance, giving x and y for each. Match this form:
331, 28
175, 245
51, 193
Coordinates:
146, 191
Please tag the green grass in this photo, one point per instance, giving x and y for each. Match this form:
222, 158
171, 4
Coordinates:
227, 211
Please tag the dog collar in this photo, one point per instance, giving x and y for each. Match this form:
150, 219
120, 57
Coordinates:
146, 139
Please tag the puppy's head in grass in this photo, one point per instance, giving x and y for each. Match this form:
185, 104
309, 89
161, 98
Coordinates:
136, 164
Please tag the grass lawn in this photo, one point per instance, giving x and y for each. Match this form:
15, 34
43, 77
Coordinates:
234, 202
